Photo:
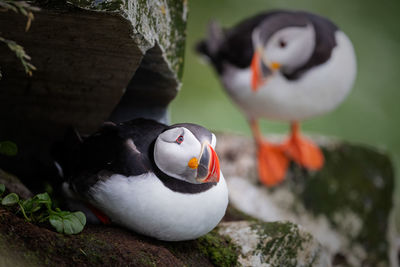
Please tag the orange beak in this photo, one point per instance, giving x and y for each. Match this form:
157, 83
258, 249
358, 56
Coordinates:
208, 170
214, 170
256, 75
259, 75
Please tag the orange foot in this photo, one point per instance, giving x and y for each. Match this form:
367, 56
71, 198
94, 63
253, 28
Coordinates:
303, 151
104, 219
272, 163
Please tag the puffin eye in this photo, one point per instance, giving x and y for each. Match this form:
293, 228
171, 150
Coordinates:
179, 140
282, 44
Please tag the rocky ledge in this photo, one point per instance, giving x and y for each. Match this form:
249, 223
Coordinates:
347, 206
340, 216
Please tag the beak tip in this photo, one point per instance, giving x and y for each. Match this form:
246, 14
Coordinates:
215, 168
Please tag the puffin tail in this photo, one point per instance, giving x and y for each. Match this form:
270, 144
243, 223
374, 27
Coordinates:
209, 48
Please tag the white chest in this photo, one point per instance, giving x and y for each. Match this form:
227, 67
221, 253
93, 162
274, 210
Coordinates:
318, 91
143, 204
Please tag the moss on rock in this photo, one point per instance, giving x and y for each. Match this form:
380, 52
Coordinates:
347, 205
274, 244
219, 249
354, 192
154, 21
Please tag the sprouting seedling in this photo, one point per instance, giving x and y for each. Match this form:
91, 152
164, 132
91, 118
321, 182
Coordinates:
39, 209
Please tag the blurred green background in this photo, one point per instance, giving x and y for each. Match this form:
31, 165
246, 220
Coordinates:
370, 115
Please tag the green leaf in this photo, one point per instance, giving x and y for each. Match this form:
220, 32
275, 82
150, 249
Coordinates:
31, 205
43, 198
8, 148
68, 222
81, 217
57, 222
27, 205
10, 199
2, 189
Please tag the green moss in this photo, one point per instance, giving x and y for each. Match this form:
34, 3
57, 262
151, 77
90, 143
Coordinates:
104, 5
166, 24
113, 5
355, 180
220, 250
153, 21
147, 260
279, 243
10, 254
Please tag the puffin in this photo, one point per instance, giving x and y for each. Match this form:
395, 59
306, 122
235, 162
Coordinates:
282, 65
156, 180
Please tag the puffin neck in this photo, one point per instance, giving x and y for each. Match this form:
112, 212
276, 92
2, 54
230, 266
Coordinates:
174, 184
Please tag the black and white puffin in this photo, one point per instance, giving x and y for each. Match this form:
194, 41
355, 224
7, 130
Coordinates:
158, 180
283, 65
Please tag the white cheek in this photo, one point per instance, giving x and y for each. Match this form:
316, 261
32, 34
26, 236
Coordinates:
168, 157
300, 45
173, 158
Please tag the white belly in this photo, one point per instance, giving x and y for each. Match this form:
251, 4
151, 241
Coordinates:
318, 91
144, 205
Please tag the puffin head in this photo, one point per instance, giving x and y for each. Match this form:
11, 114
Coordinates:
282, 43
186, 152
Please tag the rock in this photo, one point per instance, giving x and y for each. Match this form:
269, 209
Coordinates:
96, 61
241, 240
233, 243
14, 185
88, 54
274, 244
347, 205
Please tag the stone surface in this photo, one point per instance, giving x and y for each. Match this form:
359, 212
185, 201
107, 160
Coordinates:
347, 205
233, 243
13, 184
96, 61
274, 244
240, 240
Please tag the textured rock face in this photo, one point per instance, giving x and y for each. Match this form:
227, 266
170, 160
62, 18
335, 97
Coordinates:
239, 241
274, 244
347, 206
87, 58
96, 61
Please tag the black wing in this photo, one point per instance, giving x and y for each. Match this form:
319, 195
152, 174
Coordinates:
325, 42
122, 149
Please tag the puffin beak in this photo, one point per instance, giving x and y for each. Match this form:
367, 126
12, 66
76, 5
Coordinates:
260, 71
256, 79
208, 170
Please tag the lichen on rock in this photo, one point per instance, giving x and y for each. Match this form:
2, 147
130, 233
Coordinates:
274, 244
347, 205
97, 61
161, 22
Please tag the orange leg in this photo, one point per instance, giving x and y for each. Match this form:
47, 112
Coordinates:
303, 151
272, 161
99, 214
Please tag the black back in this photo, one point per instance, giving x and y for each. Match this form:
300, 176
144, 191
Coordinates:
237, 46
124, 148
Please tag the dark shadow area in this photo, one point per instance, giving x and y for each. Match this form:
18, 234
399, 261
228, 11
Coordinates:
149, 91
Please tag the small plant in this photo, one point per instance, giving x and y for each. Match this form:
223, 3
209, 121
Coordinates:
25, 9
8, 148
39, 209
